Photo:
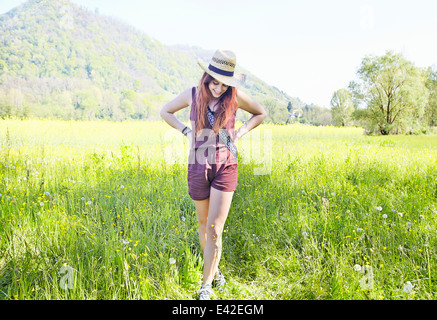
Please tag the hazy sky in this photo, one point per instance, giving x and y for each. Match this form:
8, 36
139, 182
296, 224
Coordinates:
307, 48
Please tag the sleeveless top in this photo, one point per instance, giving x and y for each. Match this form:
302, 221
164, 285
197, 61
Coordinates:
208, 139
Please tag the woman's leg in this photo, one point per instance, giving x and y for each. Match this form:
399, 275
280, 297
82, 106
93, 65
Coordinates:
202, 216
219, 204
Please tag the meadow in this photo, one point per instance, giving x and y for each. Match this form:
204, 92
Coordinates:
100, 210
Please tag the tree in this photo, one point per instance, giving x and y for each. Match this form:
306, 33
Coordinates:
431, 107
342, 108
392, 91
275, 113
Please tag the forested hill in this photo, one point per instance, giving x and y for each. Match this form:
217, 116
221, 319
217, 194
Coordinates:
59, 60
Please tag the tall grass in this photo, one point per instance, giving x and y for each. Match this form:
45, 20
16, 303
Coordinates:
95, 210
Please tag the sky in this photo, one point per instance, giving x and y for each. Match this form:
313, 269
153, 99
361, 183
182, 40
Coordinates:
307, 48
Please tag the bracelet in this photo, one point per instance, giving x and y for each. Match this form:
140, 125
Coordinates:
185, 131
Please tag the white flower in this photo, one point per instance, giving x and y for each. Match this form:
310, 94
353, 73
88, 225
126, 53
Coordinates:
408, 224
384, 216
379, 208
126, 242
183, 218
421, 216
83, 199
122, 187
304, 234
47, 193
400, 248
172, 260
89, 202
359, 229
357, 267
400, 214
41, 204
408, 287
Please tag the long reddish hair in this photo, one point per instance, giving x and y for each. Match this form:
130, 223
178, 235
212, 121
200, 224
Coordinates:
227, 104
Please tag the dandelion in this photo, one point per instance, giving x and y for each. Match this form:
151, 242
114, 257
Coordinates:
122, 187
83, 199
183, 218
408, 287
47, 193
400, 214
357, 267
172, 260
379, 208
384, 216
304, 234
421, 216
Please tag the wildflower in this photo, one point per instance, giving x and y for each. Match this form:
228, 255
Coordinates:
379, 208
126, 242
384, 216
357, 267
172, 260
400, 214
83, 199
41, 204
408, 287
122, 187
183, 218
421, 216
359, 229
408, 224
47, 193
304, 234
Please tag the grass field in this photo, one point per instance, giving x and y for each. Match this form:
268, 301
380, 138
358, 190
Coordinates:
100, 210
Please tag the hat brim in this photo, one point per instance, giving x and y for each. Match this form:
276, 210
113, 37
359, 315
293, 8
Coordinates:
237, 80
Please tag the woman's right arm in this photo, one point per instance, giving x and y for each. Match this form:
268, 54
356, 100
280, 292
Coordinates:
167, 112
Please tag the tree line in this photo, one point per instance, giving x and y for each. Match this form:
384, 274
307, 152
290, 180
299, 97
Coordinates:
389, 96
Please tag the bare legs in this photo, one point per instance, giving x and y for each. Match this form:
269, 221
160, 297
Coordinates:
211, 215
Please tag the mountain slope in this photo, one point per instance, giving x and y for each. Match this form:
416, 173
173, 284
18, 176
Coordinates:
62, 61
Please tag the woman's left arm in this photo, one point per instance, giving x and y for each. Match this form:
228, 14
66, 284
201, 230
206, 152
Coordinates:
259, 113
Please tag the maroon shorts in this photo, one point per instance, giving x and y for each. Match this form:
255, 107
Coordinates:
201, 177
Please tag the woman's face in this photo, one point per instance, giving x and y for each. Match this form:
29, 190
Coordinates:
217, 88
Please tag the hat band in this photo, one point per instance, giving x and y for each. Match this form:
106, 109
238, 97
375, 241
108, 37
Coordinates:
221, 72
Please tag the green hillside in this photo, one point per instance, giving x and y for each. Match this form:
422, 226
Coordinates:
58, 60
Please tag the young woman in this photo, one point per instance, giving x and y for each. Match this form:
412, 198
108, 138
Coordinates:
212, 164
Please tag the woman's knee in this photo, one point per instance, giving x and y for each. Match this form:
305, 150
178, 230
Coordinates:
214, 233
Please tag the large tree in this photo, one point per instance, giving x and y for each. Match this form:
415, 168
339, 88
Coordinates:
391, 93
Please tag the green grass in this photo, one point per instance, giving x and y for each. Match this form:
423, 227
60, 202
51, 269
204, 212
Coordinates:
103, 202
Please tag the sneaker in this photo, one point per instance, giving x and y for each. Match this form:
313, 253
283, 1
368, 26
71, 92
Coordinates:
219, 281
205, 292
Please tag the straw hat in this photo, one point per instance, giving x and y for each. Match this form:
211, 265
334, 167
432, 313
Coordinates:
222, 67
